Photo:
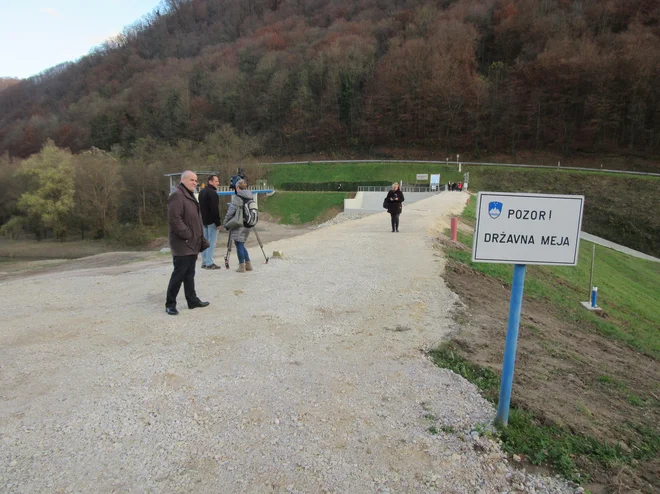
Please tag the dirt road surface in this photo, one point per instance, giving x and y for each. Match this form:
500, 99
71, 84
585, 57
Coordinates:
306, 375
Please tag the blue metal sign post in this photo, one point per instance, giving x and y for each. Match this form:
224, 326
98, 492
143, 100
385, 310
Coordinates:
511, 344
522, 229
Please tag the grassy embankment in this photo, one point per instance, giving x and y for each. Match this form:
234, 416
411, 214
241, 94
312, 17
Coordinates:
297, 208
357, 172
306, 207
629, 289
621, 208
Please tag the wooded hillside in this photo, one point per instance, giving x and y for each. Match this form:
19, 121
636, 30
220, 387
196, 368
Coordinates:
5, 82
301, 76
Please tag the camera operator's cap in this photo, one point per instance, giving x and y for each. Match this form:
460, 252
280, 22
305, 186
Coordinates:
235, 178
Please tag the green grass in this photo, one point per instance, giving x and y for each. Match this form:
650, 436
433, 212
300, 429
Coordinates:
485, 379
470, 212
355, 172
543, 444
606, 379
556, 446
481, 176
628, 291
296, 208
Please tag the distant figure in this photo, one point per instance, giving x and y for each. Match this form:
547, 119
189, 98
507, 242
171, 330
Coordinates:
339, 188
460, 186
209, 205
240, 235
186, 241
394, 202
235, 178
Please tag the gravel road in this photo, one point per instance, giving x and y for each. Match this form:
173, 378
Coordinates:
306, 375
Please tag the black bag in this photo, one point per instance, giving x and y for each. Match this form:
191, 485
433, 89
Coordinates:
386, 203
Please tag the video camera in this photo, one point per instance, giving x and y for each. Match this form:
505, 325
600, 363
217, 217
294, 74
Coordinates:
235, 178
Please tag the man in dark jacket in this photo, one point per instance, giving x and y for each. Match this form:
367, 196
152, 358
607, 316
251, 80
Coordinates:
209, 205
186, 241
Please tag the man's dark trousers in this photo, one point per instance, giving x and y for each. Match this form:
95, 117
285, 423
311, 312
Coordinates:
184, 272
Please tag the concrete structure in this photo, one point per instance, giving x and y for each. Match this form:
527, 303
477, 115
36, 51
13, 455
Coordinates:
589, 307
373, 201
619, 248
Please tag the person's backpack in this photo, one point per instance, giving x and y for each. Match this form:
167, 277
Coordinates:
250, 213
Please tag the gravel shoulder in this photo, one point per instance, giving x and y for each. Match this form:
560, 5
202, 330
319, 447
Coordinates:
306, 375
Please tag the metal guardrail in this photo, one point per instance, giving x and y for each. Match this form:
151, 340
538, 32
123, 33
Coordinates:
226, 188
368, 188
521, 165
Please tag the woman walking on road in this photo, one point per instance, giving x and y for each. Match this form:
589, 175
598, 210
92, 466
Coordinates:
240, 235
394, 199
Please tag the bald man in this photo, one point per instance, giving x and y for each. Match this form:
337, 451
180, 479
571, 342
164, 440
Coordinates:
186, 241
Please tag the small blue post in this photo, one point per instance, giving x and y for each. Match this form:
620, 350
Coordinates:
511, 343
594, 296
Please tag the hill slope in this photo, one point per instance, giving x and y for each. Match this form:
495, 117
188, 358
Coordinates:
497, 75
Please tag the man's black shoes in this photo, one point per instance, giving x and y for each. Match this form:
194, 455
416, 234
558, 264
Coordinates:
173, 312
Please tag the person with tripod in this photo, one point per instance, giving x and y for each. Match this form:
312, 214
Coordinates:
240, 234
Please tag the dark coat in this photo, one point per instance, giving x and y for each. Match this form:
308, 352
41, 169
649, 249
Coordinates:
209, 205
185, 220
394, 206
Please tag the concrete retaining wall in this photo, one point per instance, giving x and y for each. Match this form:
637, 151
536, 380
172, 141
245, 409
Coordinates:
373, 201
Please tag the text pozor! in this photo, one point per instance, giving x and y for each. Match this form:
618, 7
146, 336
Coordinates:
509, 238
529, 214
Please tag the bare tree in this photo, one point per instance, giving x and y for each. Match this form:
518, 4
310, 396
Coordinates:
98, 188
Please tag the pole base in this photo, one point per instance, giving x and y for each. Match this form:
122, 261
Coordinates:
587, 305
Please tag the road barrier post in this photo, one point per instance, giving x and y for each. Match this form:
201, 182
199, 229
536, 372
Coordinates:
454, 228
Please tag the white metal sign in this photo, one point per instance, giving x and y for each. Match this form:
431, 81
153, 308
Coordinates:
422, 176
435, 179
527, 228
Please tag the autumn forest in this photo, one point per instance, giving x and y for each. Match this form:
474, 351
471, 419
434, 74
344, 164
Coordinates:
302, 76
209, 84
